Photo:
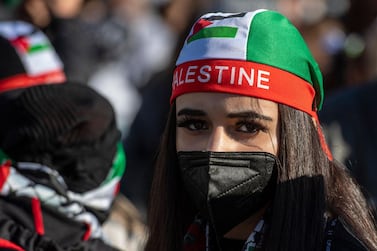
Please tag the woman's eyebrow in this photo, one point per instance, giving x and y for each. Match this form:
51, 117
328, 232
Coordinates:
249, 114
191, 112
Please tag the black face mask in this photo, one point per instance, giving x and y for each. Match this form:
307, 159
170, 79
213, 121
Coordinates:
228, 187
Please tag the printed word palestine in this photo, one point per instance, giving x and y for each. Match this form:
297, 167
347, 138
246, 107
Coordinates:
221, 74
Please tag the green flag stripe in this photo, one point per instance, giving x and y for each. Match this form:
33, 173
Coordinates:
274, 47
119, 164
220, 31
38, 47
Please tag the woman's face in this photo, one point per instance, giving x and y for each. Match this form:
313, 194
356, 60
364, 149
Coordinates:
223, 122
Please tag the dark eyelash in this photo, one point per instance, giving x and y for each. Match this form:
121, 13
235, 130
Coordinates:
185, 121
254, 123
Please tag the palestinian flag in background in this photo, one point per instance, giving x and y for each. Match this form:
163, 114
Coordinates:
36, 53
27, 57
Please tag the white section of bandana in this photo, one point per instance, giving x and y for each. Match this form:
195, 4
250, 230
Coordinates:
42, 61
38, 62
218, 47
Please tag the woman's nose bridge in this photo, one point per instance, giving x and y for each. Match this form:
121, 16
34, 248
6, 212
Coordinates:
218, 140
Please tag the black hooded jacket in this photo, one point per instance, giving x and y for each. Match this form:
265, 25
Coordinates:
25, 225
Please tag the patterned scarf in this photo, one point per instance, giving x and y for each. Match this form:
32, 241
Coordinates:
34, 180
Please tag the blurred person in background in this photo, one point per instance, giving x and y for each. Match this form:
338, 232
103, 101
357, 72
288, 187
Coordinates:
61, 155
106, 41
60, 167
350, 117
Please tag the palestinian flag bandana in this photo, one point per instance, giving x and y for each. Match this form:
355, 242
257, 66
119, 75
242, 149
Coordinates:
258, 54
27, 57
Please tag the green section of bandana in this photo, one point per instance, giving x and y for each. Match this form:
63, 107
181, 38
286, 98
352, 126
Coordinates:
220, 31
272, 41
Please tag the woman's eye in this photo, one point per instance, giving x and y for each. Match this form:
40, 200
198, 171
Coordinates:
249, 127
193, 124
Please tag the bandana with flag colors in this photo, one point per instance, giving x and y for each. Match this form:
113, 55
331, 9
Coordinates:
35, 53
258, 54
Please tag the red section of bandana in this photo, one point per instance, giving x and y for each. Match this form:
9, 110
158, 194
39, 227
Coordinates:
21, 43
202, 23
24, 80
243, 78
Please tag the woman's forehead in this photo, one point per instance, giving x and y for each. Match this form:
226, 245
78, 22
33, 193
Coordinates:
225, 101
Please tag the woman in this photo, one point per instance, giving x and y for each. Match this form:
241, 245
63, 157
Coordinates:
243, 164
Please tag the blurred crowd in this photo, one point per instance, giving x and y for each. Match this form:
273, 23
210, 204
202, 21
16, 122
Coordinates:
126, 50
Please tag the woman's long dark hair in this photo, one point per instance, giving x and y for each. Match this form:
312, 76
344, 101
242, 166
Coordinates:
309, 187
168, 210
